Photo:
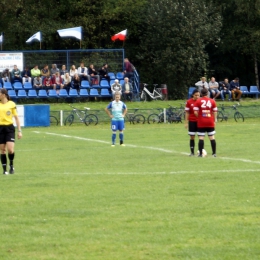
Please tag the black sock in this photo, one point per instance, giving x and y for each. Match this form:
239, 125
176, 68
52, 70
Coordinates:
213, 146
192, 144
11, 159
3, 161
201, 145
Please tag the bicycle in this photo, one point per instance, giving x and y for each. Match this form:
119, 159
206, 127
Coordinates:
84, 117
135, 118
223, 114
156, 94
53, 120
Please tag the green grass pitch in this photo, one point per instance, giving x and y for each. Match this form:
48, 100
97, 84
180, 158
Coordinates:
73, 196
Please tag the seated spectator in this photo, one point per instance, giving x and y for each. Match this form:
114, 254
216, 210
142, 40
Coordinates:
57, 81
45, 72
6, 76
127, 89
73, 71
54, 69
116, 87
103, 72
83, 73
47, 82
202, 84
67, 81
63, 71
75, 83
225, 89
26, 75
93, 74
35, 72
213, 88
235, 89
37, 82
128, 69
16, 74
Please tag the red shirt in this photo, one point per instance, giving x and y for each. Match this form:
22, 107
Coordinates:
205, 107
189, 108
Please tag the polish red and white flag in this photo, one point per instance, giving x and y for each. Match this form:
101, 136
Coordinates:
120, 36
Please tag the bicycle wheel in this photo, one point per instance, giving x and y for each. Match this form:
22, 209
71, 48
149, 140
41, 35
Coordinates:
138, 119
220, 116
153, 118
53, 120
239, 117
143, 96
69, 120
91, 119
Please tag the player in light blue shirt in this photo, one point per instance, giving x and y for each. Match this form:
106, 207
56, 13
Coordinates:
117, 114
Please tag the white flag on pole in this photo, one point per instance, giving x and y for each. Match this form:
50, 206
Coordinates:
36, 36
71, 32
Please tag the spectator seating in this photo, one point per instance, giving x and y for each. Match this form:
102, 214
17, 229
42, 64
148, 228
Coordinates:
32, 93
8, 85
12, 94
42, 93
105, 93
73, 93
191, 89
120, 75
121, 82
83, 93
18, 85
52, 93
112, 82
96, 86
111, 75
93, 93
21, 93
27, 85
104, 84
84, 84
254, 91
63, 93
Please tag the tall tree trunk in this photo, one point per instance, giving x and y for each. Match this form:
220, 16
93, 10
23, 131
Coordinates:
256, 71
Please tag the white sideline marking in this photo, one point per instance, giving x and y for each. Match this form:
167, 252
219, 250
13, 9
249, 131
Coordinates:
146, 147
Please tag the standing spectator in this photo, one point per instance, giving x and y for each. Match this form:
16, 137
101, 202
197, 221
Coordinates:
63, 71
7, 130
225, 89
54, 69
116, 88
206, 111
16, 74
67, 81
37, 82
103, 72
73, 71
128, 69
202, 84
47, 82
75, 83
57, 81
35, 72
119, 110
191, 119
235, 89
93, 74
127, 89
26, 75
83, 73
45, 72
213, 88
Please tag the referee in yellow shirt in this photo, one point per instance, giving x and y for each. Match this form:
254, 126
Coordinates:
7, 130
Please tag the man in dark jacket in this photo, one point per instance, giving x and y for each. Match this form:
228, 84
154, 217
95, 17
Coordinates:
235, 89
225, 89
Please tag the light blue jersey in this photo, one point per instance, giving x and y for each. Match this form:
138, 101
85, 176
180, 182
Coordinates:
117, 110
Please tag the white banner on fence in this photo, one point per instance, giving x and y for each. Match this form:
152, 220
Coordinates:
8, 60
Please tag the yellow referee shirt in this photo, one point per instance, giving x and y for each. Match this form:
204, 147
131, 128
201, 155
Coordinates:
7, 111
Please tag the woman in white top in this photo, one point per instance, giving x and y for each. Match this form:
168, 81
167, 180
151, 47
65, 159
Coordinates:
67, 81
73, 71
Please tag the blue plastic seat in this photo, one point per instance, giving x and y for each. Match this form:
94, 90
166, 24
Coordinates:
32, 93
105, 93
120, 75
73, 93
244, 89
191, 89
104, 84
21, 93
27, 85
111, 75
93, 93
83, 93
253, 90
7, 85
12, 93
42, 93
121, 82
17, 85
112, 82
84, 84
63, 93
52, 93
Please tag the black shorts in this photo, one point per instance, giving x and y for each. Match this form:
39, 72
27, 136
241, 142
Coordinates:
7, 134
203, 130
192, 128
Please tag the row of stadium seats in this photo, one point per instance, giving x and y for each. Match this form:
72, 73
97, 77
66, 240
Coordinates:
42, 93
253, 90
84, 84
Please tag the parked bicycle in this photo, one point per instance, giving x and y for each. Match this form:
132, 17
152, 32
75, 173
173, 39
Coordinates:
135, 118
156, 94
224, 114
82, 115
53, 120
